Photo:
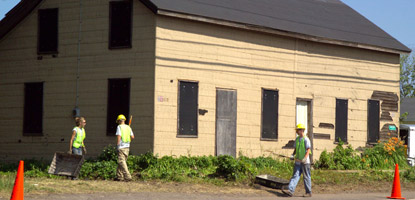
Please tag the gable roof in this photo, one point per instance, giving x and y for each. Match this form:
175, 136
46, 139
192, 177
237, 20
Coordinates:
408, 105
329, 21
16, 15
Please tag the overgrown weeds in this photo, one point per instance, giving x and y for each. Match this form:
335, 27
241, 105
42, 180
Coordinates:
383, 155
169, 168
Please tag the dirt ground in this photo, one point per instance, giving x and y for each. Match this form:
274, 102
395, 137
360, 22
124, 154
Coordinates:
181, 196
84, 190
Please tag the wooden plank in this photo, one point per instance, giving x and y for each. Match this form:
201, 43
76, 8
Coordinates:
322, 136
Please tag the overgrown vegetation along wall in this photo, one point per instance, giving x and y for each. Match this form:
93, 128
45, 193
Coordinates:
222, 169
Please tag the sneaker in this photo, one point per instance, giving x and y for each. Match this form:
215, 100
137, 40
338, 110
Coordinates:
307, 195
117, 179
287, 192
128, 180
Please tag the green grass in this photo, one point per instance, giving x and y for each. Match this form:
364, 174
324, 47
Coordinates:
7, 181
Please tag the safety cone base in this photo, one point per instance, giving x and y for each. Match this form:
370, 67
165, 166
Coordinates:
396, 198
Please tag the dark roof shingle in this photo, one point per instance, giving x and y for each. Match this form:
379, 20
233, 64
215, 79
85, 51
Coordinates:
329, 19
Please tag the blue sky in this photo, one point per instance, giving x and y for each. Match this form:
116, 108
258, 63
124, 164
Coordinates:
396, 17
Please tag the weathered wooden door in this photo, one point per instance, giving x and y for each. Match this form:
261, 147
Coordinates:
225, 122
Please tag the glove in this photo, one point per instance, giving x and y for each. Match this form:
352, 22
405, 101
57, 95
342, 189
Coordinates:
70, 151
83, 148
304, 160
292, 157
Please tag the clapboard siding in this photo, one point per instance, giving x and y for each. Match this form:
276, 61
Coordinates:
222, 57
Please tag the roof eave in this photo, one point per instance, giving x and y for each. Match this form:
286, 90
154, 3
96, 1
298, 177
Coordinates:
276, 31
16, 15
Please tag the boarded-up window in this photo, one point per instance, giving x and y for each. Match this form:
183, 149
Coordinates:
341, 120
269, 115
47, 31
118, 102
373, 121
120, 24
33, 109
188, 105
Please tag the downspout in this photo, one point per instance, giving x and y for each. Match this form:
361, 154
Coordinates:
76, 111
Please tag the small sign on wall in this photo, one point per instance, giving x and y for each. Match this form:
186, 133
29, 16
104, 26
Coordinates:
162, 99
392, 128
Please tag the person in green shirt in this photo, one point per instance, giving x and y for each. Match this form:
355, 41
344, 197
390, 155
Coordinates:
302, 150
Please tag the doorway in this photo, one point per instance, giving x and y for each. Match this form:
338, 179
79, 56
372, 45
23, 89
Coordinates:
304, 116
226, 122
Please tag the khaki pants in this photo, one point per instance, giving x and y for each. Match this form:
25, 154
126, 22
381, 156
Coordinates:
122, 169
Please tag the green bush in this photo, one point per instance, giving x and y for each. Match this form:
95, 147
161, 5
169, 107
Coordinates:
105, 170
228, 167
142, 162
340, 159
109, 153
177, 169
382, 156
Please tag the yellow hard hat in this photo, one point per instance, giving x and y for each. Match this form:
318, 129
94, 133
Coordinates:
121, 117
300, 126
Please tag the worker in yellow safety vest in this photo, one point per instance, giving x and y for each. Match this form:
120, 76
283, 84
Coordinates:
302, 150
124, 136
76, 145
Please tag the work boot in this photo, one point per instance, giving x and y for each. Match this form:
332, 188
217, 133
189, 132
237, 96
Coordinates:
307, 195
287, 192
117, 179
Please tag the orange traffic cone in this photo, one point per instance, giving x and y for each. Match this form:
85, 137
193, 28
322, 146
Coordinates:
396, 188
18, 189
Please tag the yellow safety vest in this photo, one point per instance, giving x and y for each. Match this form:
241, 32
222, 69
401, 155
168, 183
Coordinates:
79, 138
125, 133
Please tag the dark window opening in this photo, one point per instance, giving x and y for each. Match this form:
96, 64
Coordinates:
373, 121
341, 120
269, 114
48, 31
33, 109
188, 105
118, 102
120, 24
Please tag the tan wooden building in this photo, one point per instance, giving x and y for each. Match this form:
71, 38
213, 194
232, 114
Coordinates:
200, 77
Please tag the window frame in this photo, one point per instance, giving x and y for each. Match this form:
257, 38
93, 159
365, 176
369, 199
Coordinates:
28, 131
368, 114
110, 34
39, 41
112, 119
262, 138
179, 134
336, 141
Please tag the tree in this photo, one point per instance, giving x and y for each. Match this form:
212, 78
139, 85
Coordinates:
407, 82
